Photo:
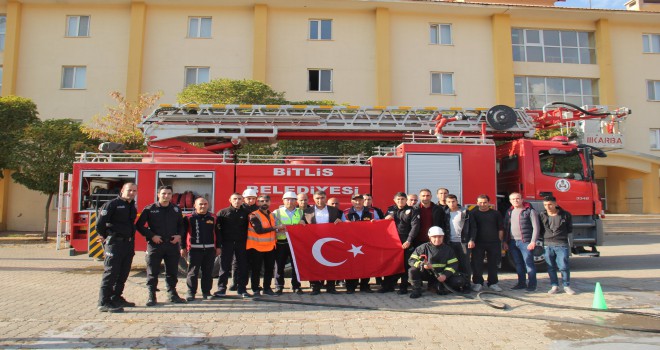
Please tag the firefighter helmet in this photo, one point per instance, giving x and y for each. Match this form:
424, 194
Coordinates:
249, 192
290, 195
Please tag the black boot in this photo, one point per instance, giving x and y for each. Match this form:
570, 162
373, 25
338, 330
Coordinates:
417, 290
151, 300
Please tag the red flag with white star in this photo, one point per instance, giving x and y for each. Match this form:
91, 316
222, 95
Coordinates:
347, 250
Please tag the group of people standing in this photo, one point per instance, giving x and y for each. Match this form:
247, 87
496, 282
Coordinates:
441, 242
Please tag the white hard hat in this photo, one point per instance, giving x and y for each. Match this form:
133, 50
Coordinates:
249, 193
436, 231
290, 194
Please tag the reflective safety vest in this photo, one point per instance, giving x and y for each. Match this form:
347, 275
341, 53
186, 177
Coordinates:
282, 217
264, 242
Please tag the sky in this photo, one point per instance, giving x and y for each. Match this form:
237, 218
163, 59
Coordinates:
596, 4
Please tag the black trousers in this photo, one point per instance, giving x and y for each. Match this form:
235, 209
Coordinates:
390, 281
200, 260
352, 284
156, 253
329, 285
258, 259
491, 250
116, 268
463, 254
282, 255
233, 251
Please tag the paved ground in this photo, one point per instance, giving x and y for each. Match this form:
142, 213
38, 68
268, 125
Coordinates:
49, 302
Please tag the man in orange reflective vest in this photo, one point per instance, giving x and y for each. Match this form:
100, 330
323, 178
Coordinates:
260, 246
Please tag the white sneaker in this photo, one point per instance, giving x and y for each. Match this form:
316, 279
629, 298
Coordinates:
553, 290
476, 287
495, 288
569, 291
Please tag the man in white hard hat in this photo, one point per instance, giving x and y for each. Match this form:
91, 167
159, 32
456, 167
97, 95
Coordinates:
249, 203
288, 214
432, 261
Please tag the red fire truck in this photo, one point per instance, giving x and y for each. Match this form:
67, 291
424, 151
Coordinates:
468, 151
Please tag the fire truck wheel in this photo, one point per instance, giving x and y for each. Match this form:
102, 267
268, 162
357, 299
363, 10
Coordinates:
501, 117
509, 265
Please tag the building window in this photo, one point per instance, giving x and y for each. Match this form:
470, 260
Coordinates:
199, 27
442, 83
655, 138
558, 46
77, 26
440, 34
197, 75
653, 89
320, 80
3, 31
74, 77
320, 29
535, 92
651, 43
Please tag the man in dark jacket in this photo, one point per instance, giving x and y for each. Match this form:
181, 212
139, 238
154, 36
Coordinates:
199, 243
163, 231
557, 226
406, 219
116, 224
231, 230
358, 212
321, 213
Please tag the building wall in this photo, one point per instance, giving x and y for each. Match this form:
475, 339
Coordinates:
391, 67
44, 49
167, 50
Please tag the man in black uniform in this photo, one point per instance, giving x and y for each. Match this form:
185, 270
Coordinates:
116, 224
489, 228
231, 231
163, 233
407, 224
433, 261
200, 243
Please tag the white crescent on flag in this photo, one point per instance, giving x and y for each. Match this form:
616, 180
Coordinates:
316, 252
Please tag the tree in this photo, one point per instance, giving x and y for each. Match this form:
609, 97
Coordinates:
230, 91
46, 149
120, 124
16, 113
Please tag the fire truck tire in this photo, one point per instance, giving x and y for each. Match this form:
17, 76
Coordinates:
501, 117
509, 265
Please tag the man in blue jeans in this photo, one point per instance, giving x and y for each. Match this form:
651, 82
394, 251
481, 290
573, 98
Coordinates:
557, 226
521, 227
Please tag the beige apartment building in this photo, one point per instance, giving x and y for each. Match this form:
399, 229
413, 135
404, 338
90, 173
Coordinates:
68, 56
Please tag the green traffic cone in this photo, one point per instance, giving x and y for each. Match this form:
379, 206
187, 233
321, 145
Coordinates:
599, 299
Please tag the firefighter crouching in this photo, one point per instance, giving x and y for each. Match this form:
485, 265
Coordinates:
432, 261
163, 233
116, 224
201, 246
289, 214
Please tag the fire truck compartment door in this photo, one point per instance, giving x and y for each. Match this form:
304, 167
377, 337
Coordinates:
424, 170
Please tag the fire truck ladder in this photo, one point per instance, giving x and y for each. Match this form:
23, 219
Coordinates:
63, 211
204, 123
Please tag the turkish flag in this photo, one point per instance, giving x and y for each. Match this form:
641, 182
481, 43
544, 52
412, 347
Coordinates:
347, 250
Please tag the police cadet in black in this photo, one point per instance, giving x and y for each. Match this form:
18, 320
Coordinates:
163, 233
407, 222
116, 224
200, 242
